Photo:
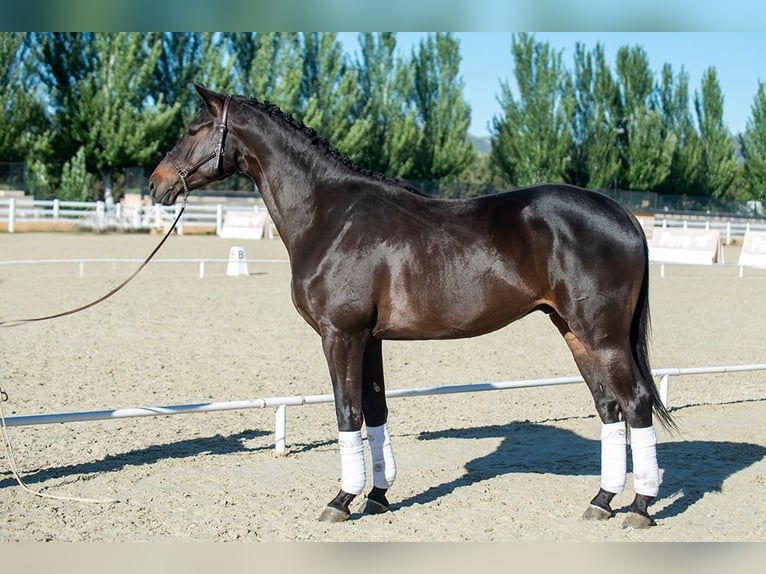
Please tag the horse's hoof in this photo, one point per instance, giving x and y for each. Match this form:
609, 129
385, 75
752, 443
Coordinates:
332, 514
633, 520
370, 506
594, 512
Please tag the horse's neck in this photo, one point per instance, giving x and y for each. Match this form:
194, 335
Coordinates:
286, 182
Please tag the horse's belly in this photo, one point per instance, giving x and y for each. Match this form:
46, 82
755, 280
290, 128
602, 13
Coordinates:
447, 318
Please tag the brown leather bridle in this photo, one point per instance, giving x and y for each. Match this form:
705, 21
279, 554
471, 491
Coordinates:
216, 154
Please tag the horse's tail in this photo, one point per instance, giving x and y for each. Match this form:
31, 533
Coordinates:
639, 338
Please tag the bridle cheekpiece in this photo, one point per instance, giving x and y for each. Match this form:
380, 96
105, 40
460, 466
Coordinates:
216, 154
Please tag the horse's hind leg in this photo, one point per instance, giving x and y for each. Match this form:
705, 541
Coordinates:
378, 438
622, 397
613, 439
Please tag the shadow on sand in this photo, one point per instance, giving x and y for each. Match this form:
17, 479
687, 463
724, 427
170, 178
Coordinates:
526, 448
545, 449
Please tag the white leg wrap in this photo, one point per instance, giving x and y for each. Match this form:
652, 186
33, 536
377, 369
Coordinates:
614, 448
352, 472
646, 473
383, 463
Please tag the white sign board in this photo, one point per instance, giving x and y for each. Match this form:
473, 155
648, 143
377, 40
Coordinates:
753, 251
244, 225
696, 246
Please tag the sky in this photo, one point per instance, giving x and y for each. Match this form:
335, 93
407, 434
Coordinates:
486, 61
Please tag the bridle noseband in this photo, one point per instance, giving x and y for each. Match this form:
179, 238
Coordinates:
216, 154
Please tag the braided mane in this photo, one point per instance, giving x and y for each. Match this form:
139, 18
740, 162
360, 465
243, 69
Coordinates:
324, 145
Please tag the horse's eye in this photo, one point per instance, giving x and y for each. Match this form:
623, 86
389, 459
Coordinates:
193, 131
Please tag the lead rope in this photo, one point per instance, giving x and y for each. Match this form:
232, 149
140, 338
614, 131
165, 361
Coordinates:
8, 449
17, 322
15, 472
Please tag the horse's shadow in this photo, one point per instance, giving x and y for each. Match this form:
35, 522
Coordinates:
215, 445
526, 448
539, 448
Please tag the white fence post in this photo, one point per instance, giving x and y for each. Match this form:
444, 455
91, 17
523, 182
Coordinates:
218, 219
664, 389
11, 215
280, 428
100, 215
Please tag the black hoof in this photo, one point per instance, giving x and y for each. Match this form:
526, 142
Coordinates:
599, 508
372, 507
338, 509
376, 502
638, 513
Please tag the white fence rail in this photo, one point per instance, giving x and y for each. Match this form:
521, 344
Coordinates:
280, 404
95, 215
730, 230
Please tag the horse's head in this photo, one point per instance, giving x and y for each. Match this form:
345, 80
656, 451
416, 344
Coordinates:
200, 155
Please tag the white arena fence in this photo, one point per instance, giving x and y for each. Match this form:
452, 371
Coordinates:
201, 215
198, 216
280, 404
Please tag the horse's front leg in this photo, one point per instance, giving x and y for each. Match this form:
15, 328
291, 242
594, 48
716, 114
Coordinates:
378, 437
344, 352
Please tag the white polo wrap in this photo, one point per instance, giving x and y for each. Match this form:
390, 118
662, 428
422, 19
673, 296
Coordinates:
352, 472
646, 473
383, 463
613, 457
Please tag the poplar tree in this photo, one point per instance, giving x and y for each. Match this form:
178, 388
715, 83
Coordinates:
388, 134
646, 146
754, 145
531, 136
683, 177
595, 157
444, 150
719, 156
186, 58
268, 66
329, 91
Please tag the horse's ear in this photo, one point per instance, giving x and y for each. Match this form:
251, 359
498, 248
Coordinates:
213, 100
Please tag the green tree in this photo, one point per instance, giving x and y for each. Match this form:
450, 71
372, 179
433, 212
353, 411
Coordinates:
185, 58
329, 91
23, 126
531, 136
268, 66
443, 116
102, 98
753, 143
595, 127
683, 177
76, 181
719, 155
384, 116
646, 145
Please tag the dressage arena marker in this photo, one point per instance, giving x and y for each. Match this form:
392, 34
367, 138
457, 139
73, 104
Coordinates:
281, 403
237, 262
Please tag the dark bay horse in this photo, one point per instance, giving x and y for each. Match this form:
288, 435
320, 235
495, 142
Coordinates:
373, 259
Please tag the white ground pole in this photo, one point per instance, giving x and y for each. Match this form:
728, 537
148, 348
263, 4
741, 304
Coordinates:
280, 404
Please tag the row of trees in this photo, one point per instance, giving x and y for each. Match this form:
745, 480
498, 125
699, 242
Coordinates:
86, 105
